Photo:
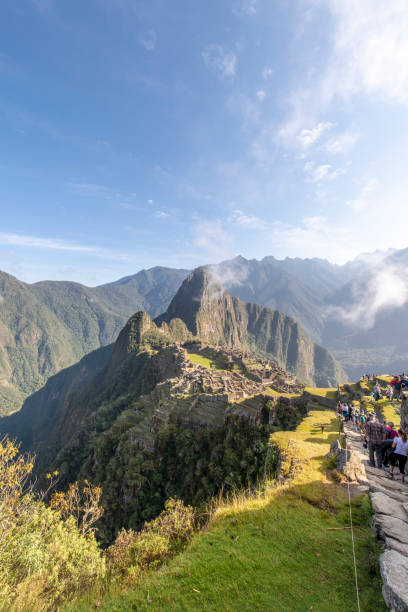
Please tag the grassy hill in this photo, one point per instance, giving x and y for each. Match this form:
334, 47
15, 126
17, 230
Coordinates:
283, 548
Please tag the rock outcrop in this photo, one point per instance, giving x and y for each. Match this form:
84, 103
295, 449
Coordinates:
214, 316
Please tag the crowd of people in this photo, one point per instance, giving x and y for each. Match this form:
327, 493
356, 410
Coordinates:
387, 446
397, 385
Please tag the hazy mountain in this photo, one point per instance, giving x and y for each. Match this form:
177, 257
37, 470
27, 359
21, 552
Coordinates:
50, 325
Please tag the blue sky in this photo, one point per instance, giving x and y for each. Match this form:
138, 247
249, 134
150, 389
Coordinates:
137, 133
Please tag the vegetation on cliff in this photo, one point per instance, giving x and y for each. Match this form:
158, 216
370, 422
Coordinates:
48, 326
286, 547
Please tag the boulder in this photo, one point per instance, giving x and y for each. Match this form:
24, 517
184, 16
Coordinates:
382, 504
398, 546
385, 525
335, 449
349, 463
394, 570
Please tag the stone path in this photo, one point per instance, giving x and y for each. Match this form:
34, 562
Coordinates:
389, 501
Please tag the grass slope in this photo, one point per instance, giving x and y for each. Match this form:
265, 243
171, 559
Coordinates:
279, 550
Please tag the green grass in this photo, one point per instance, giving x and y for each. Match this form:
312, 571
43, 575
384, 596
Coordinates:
272, 391
384, 380
279, 550
330, 392
389, 410
204, 361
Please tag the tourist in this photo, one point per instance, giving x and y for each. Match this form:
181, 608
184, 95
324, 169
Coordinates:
345, 411
376, 392
389, 391
388, 442
397, 388
362, 420
399, 454
376, 433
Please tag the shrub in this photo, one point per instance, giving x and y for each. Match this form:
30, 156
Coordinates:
176, 522
134, 552
43, 558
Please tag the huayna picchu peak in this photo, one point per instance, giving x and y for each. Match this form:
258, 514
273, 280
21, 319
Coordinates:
214, 316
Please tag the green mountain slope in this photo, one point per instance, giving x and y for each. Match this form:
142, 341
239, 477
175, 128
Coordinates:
50, 325
147, 422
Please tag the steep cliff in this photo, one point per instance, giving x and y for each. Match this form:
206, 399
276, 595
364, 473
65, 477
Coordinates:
216, 317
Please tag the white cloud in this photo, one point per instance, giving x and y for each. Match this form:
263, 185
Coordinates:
362, 201
315, 173
160, 214
384, 287
309, 137
148, 41
370, 50
261, 95
342, 143
55, 244
267, 72
247, 221
213, 238
219, 61
150, 202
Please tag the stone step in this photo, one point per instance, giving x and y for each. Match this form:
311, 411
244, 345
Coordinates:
388, 526
394, 572
383, 504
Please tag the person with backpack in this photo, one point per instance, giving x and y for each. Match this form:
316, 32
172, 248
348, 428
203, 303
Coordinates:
388, 442
399, 454
376, 433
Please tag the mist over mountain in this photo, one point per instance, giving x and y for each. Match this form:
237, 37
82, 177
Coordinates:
356, 310
216, 317
201, 382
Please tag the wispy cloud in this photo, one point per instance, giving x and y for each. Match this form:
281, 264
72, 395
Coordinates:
160, 214
261, 95
341, 143
308, 137
219, 61
148, 40
315, 173
213, 238
247, 221
267, 72
370, 50
367, 189
55, 244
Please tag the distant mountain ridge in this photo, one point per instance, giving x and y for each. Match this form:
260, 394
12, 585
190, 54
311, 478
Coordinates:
50, 325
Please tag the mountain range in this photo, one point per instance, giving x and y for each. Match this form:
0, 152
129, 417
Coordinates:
47, 326
173, 406
358, 311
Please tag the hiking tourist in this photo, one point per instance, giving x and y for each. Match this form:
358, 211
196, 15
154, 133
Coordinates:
397, 387
376, 392
399, 454
376, 433
388, 442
